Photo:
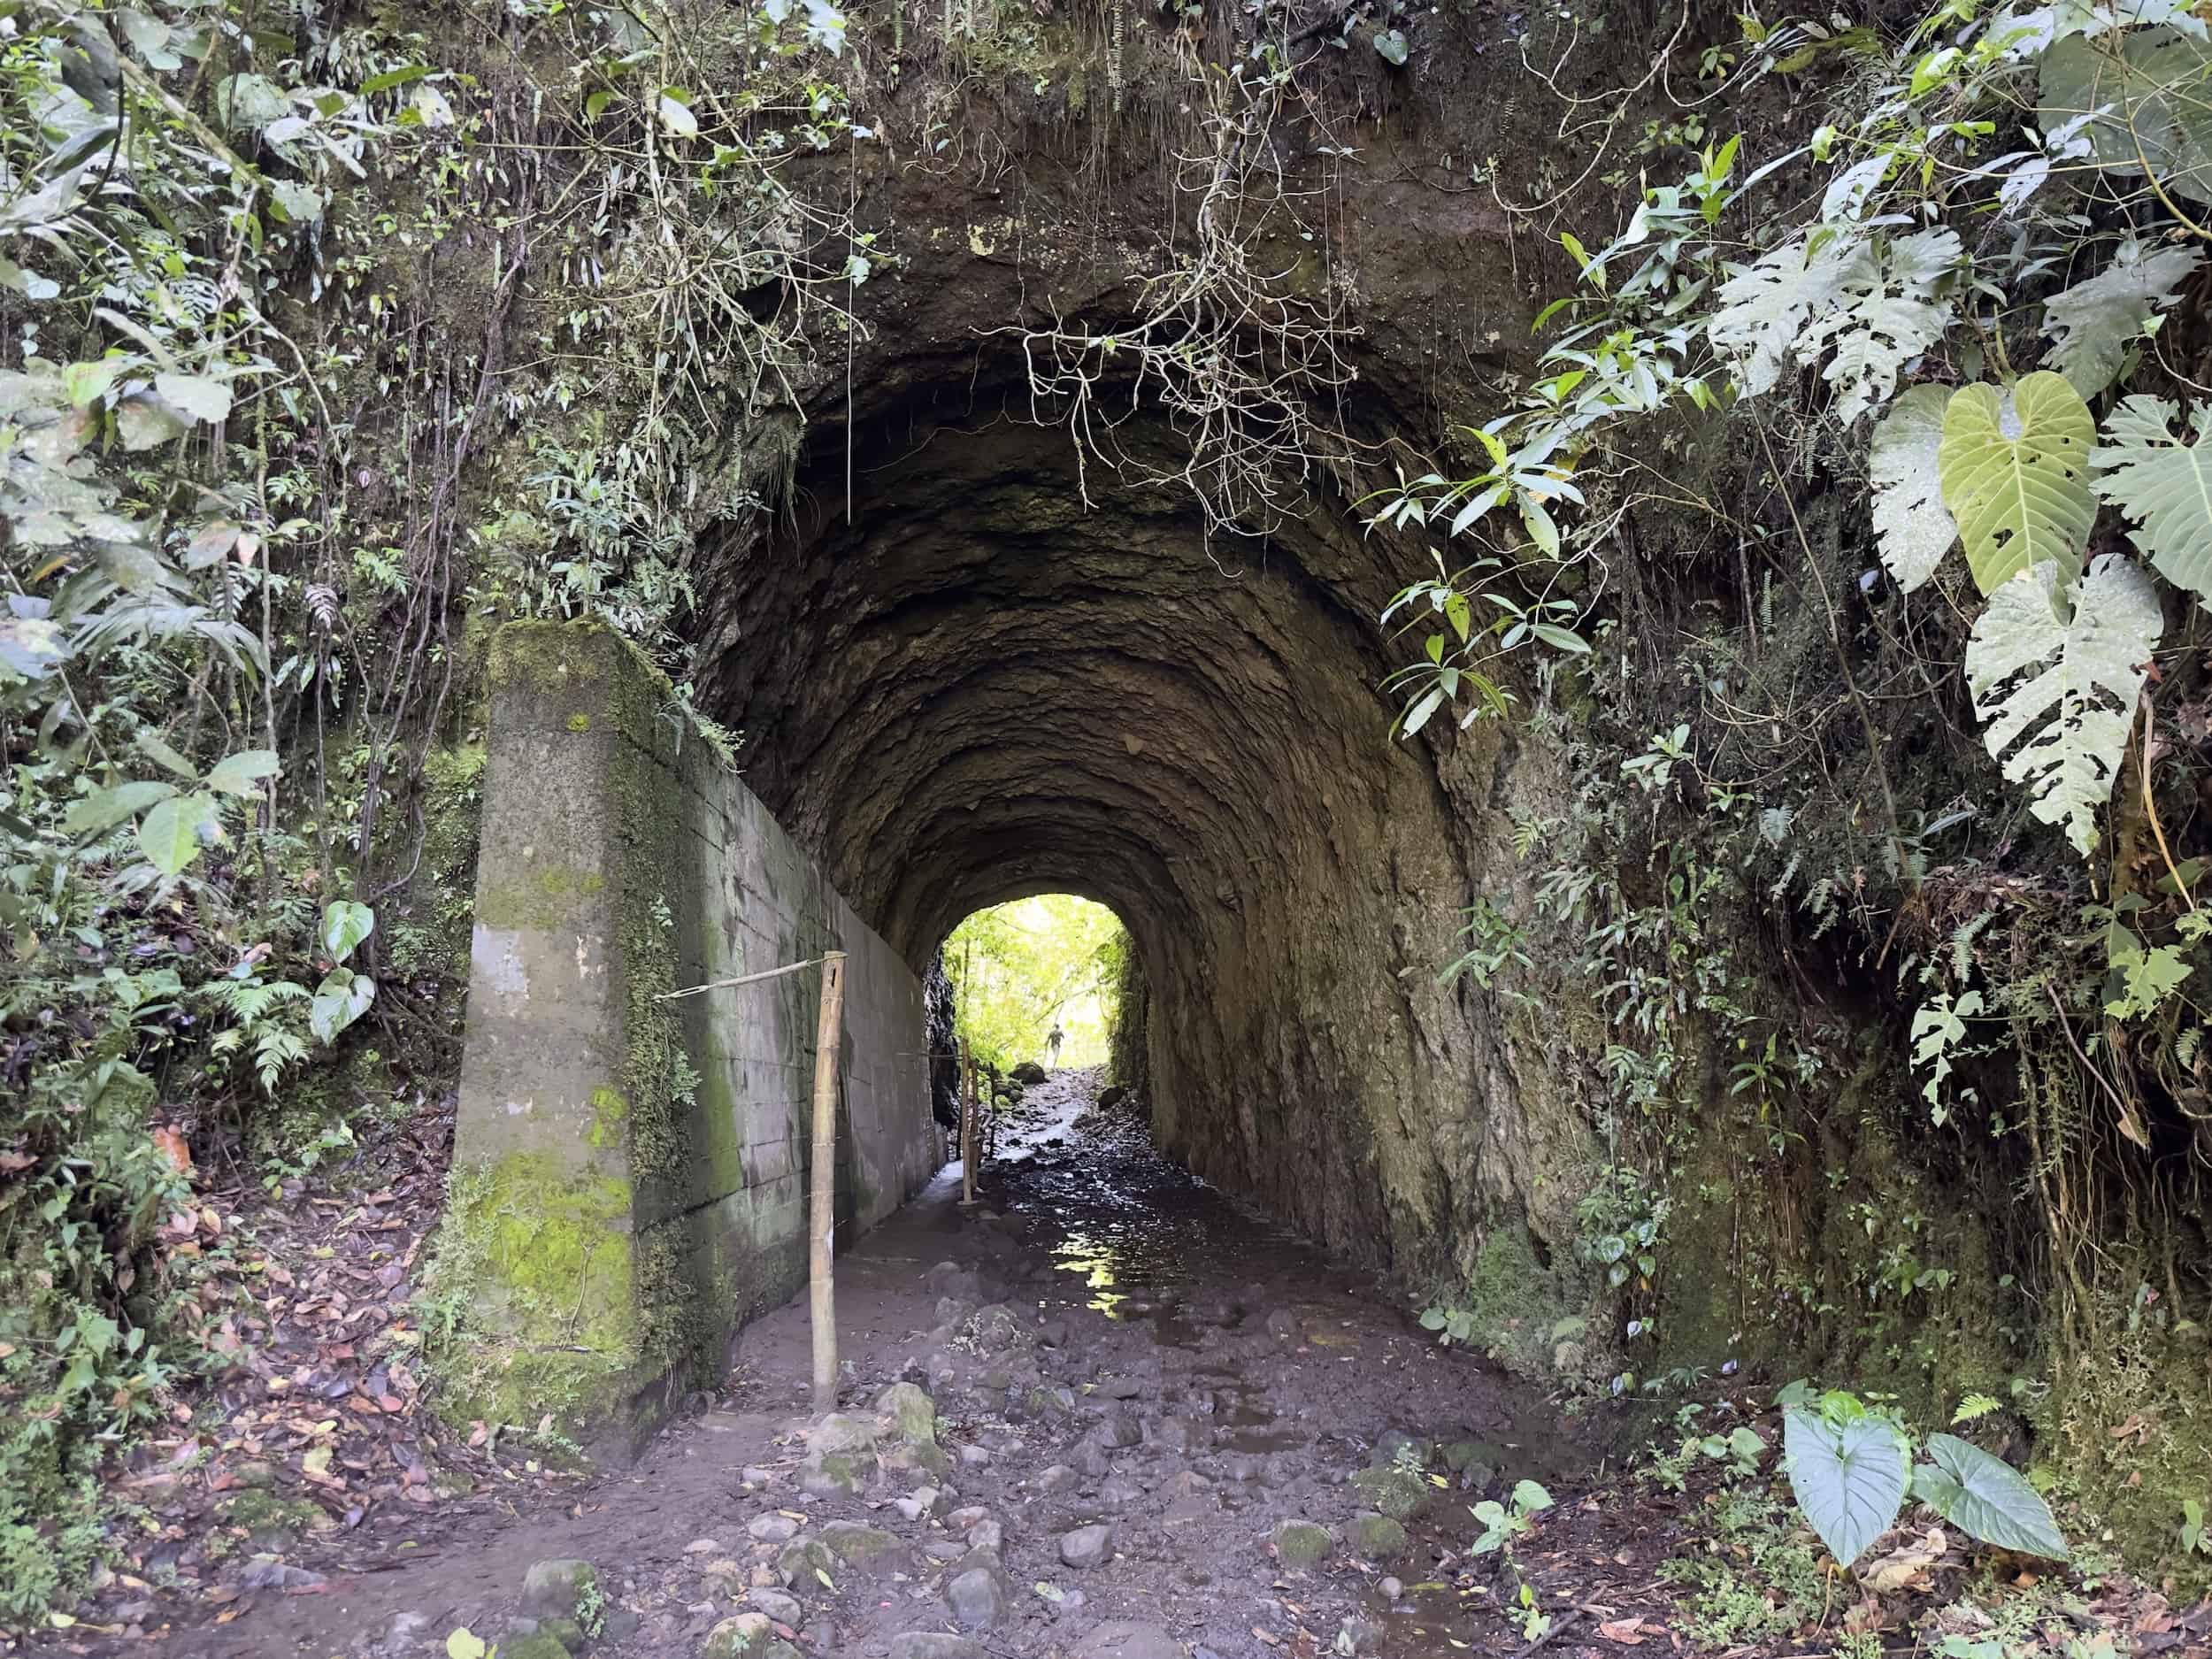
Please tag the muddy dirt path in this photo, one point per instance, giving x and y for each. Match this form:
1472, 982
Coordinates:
1151, 1408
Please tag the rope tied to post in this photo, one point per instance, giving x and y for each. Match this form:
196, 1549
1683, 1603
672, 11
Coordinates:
747, 979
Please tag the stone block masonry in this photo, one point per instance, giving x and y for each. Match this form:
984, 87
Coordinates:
630, 1172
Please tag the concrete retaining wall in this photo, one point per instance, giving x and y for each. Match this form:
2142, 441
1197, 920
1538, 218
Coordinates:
630, 1172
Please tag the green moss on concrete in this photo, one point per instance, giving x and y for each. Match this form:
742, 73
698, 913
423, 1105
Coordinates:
608, 1110
534, 1287
579, 722
548, 900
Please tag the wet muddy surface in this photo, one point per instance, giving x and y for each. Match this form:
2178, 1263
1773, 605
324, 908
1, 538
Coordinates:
1105, 1414
1107, 1343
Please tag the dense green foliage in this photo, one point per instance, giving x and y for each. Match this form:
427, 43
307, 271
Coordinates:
1942, 289
259, 268
1019, 970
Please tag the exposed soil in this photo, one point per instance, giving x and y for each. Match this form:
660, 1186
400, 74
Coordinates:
1107, 1342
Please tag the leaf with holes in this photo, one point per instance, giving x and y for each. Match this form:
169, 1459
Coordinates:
2016, 475
2060, 665
2092, 323
1849, 1478
1886, 315
2143, 100
1765, 305
1985, 1496
2163, 484
1913, 529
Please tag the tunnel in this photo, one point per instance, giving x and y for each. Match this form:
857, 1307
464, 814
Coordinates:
973, 686
975, 642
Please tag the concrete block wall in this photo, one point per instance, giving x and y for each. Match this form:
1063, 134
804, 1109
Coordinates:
631, 1171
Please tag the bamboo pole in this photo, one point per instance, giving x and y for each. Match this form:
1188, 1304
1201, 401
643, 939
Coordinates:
967, 1131
822, 1222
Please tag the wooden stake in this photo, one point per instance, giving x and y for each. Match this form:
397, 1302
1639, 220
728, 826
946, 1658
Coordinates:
822, 1222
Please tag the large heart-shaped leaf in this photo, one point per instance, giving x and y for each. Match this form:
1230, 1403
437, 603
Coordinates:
2143, 100
2015, 475
1849, 1477
345, 925
1987, 1496
342, 998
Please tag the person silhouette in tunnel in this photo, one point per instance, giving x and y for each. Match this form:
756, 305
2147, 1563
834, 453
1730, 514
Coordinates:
1054, 1042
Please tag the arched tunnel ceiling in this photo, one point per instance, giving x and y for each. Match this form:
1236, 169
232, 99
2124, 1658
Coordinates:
979, 687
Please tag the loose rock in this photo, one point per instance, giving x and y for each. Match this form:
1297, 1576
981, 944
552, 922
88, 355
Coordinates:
1086, 1546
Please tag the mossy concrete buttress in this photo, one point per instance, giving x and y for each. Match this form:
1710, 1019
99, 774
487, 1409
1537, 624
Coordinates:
630, 1170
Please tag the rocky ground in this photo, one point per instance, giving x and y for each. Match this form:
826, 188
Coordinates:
1105, 1414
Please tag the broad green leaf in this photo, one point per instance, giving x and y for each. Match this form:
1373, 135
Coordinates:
1911, 523
2164, 485
249, 102
151, 745
2092, 323
87, 382
2147, 98
1994, 1502
392, 77
2060, 665
145, 421
1849, 1478
342, 998
345, 925
242, 773
1390, 46
465, 1644
2015, 475
170, 835
296, 203
196, 394
96, 813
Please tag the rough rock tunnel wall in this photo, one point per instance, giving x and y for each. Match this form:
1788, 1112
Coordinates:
961, 683
633, 1169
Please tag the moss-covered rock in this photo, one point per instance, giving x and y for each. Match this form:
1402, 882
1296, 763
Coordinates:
746, 1636
1395, 1492
1302, 1544
799, 1561
553, 1588
271, 1521
1376, 1536
908, 1412
867, 1549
